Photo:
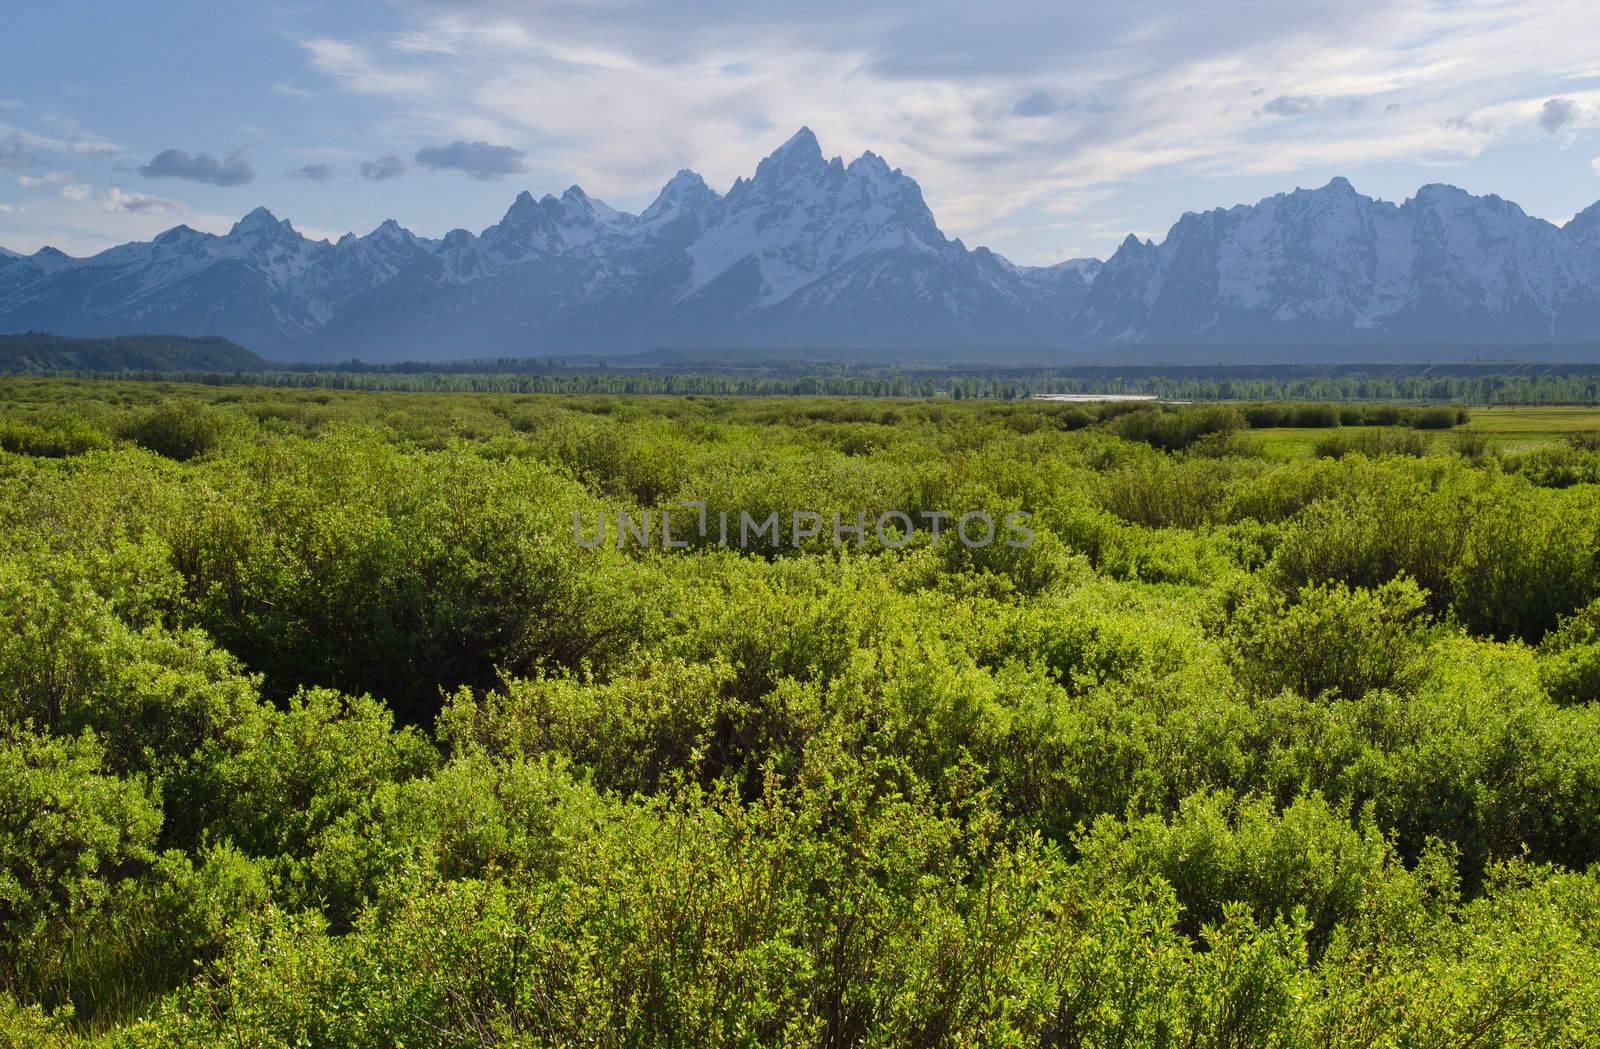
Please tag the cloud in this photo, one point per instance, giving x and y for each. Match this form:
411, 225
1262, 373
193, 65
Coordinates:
13, 156
20, 142
232, 170
289, 90
7, 209
77, 191
1557, 114
1037, 104
348, 63
1290, 105
424, 43
1595, 164
480, 160
1466, 123
313, 172
385, 167
116, 199
49, 178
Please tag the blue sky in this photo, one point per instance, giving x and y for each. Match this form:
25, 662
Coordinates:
1044, 130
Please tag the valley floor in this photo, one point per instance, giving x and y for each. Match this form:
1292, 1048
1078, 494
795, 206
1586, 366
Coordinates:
320, 726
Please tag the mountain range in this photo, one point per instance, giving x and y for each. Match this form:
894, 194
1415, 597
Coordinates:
814, 252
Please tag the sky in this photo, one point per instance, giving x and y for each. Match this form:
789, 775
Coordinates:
1044, 129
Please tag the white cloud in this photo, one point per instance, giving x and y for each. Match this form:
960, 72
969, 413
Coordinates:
77, 191
75, 141
117, 199
49, 178
350, 65
289, 90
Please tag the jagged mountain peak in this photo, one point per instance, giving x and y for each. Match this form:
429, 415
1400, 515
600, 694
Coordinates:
180, 234
261, 221
802, 144
1584, 227
685, 193
580, 208
798, 158
686, 182
51, 259
871, 165
1443, 196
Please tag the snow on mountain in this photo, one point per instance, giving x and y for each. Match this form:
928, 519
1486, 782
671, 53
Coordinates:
1585, 228
811, 251
1330, 264
802, 217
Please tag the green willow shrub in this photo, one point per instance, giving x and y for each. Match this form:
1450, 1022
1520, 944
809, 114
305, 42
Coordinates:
1527, 562
1507, 559
1439, 418
1218, 850
55, 440
632, 732
1569, 665
303, 765
1471, 445
69, 835
180, 430
69, 662
1163, 494
1173, 429
1555, 466
352, 565
1373, 444
1329, 639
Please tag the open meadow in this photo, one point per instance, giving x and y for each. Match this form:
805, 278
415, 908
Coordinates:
339, 719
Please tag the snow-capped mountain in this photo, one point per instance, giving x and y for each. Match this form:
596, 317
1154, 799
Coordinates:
1331, 265
1585, 228
815, 252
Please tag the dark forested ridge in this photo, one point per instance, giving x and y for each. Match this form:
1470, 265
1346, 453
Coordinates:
40, 352
319, 726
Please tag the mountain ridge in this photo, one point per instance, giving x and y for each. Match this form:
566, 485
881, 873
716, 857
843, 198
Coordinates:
811, 251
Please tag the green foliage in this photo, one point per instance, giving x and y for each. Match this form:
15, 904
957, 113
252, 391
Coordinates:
1372, 444
1173, 429
318, 727
57, 439
1505, 559
1329, 640
69, 835
1307, 863
181, 430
